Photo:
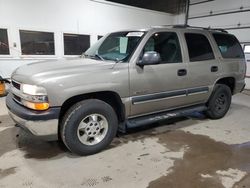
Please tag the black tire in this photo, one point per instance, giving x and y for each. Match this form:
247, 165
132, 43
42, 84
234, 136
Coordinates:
73, 118
219, 102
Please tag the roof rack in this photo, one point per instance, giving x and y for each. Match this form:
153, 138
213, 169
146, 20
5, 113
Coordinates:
195, 27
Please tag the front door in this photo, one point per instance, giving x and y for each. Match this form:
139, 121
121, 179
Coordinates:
162, 86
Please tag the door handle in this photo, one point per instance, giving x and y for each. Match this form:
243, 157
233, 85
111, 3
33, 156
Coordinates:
214, 69
182, 72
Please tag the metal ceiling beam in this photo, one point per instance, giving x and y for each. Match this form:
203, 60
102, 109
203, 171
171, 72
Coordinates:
187, 11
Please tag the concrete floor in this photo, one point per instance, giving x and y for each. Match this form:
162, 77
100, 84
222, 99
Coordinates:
185, 152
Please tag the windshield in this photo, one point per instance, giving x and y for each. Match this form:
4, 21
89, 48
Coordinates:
116, 46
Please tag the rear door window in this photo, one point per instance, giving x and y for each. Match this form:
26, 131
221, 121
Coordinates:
199, 48
228, 45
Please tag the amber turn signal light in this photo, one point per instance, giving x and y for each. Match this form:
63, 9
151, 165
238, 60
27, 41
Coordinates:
36, 106
2, 88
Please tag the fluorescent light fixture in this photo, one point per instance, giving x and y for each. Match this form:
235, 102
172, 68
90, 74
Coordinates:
247, 49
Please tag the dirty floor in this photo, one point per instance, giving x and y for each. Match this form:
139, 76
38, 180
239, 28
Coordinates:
188, 152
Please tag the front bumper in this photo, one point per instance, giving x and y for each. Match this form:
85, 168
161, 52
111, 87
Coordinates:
40, 123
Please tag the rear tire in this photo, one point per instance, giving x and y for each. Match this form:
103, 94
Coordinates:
89, 127
219, 102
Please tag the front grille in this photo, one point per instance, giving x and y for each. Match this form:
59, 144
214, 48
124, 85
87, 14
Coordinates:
16, 85
16, 98
15, 91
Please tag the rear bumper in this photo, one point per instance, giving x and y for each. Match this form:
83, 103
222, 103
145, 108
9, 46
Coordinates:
243, 88
239, 86
40, 123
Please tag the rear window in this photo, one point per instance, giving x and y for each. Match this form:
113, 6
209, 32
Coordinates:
199, 48
229, 46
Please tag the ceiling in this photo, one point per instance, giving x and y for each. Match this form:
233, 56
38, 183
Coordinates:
169, 6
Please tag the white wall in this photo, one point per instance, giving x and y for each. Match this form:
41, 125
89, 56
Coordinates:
180, 19
75, 16
232, 20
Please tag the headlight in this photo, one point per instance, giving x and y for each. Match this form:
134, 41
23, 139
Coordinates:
33, 90
34, 97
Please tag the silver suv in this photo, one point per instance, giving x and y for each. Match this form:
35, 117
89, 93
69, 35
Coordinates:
128, 79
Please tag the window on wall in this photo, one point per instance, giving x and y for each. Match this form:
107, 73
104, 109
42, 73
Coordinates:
75, 44
247, 49
199, 48
4, 43
229, 46
37, 43
167, 45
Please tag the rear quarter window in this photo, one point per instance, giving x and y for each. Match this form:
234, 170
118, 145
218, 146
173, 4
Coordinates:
229, 46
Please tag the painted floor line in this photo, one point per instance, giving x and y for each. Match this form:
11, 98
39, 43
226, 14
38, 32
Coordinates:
4, 128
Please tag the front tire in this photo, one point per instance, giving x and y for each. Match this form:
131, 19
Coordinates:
89, 127
219, 102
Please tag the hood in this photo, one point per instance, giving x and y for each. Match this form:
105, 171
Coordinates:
66, 67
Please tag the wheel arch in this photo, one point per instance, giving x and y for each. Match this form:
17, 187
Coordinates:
229, 81
110, 97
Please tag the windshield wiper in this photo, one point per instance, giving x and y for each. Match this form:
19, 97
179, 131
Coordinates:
96, 56
100, 57
117, 61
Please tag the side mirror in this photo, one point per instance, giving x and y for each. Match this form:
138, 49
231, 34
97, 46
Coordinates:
150, 58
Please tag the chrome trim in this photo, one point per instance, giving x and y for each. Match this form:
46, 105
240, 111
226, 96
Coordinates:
200, 92
24, 96
156, 100
158, 96
16, 81
18, 93
142, 99
19, 102
158, 93
11, 84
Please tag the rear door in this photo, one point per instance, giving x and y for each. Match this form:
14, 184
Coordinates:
203, 68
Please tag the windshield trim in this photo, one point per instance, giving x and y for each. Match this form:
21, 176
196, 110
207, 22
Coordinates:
139, 42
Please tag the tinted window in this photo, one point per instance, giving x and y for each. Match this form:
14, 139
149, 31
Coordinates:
99, 37
167, 45
229, 46
4, 43
199, 48
37, 43
75, 44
